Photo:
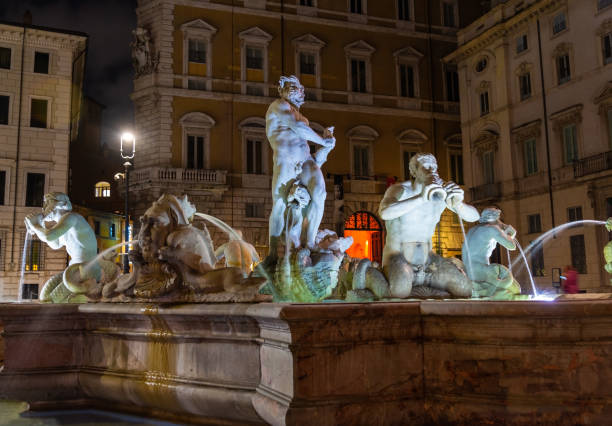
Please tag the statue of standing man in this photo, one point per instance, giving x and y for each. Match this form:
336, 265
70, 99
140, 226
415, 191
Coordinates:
297, 178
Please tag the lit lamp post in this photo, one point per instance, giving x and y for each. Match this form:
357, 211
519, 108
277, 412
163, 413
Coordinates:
128, 148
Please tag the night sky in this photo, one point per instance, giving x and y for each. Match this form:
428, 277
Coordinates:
109, 24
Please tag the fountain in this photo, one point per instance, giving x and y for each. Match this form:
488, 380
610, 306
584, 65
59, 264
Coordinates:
164, 340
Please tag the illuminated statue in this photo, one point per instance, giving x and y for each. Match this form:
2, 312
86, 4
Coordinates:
490, 280
72, 231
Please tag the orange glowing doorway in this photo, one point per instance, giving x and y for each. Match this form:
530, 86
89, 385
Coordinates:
367, 235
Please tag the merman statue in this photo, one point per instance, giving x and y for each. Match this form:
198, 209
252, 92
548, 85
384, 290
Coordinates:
84, 276
489, 280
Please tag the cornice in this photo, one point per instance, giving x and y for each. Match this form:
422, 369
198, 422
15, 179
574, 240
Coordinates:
500, 30
41, 38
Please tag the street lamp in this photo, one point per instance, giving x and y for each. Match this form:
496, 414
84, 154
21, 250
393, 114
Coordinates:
128, 148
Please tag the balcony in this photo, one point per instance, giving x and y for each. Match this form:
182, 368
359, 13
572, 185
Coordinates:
178, 177
487, 192
593, 164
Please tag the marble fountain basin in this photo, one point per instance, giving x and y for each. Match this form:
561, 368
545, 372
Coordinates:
422, 362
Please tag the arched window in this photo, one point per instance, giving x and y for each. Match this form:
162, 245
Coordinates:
255, 146
102, 189
367, 233
196, 139
411, 141
361, 139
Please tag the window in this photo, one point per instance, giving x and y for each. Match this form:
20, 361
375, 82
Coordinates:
358, 75
5, 58
406, 81
197, 51
35, 189
41, 62
570, 144
407, 155
102, 189
254, 66
356, 6
578, 253
29, 291
306, 3
254, 156
534, 224
307, 63
484, 103
456, 168
254, 148
34, 256
452, 86
193, 84
4, 109
448, 14
254, 58
197, 57
525, 86
361, 161
195, 152
112, 231
607, 48
531, 157
559, 23
563, 68
602, 4
195, 139
97, 227
38, 113
488, 167
481, 65
255, 210
574, 214
521, 43
403, 10
537, 260
2, 186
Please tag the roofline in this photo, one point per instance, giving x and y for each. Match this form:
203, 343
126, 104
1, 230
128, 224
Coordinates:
41, 28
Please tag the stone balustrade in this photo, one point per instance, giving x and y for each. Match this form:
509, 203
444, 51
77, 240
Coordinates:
178, 176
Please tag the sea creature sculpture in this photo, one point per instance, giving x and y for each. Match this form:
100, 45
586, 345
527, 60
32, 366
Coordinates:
174, 256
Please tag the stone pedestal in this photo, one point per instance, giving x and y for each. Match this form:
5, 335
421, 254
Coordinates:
438, 362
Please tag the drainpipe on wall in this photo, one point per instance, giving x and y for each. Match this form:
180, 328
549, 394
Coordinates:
546, 135
18, 148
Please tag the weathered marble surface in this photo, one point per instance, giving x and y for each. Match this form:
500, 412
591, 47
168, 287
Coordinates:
428, 362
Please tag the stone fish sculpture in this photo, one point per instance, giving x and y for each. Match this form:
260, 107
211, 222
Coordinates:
174, 258
307, 272
85, 274
490, 280
411, 210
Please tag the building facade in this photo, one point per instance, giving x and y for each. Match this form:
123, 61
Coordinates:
536, 121
41, 74
371, 69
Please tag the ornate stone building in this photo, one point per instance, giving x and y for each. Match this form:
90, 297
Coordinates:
536, 120
207, 70
41, 75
